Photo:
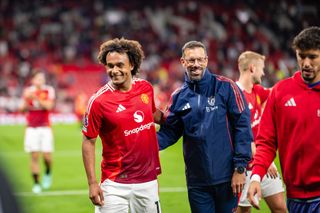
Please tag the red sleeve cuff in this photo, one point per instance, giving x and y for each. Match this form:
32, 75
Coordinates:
259, 170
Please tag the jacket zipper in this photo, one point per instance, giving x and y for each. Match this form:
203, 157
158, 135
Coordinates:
199, 110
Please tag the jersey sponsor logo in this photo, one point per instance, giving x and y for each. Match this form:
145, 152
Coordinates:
138, 129
318, 113
120, 108
138, 116
250, 106
290, 102
144, 98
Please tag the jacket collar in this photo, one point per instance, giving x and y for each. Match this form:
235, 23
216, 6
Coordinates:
199, 85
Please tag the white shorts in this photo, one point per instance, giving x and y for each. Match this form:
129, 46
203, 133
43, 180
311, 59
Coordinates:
38, 139
139, 198
269, 186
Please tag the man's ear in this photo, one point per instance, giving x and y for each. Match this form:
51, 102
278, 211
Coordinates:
182, 61
251, 68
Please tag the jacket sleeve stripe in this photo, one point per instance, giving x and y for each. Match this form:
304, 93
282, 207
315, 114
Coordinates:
239, 98
237, 93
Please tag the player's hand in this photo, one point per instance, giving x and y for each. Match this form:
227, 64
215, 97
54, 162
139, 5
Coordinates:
272, 171
237, 182
28, 94
96, 194
254, 194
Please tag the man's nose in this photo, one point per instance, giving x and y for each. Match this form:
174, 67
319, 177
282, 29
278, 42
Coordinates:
306, 63
197, 62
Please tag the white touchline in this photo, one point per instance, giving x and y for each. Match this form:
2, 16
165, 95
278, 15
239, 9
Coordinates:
85, 192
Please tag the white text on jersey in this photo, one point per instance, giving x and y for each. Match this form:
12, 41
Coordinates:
138, 129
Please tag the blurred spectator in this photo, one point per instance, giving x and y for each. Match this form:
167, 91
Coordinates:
62, 37
80, 105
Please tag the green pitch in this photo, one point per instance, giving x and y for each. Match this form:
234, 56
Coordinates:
69, 192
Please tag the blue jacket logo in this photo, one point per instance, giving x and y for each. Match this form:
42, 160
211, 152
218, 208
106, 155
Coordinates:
211, 101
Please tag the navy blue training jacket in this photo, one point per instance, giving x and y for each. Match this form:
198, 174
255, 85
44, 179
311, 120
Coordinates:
214, 120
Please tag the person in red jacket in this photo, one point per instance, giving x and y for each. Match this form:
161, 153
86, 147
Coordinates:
290, 123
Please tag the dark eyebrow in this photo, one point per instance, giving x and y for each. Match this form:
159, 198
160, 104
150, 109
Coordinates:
116, 64
309, 55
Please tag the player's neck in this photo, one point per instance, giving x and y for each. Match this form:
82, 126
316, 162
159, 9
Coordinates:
124, 87
246, 84
38, 87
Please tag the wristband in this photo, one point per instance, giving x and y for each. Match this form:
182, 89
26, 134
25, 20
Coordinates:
256, 178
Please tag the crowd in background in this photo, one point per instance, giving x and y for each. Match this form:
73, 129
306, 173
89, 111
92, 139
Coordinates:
63, 37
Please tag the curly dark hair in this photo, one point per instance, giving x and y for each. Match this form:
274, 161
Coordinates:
131, 47
307, 39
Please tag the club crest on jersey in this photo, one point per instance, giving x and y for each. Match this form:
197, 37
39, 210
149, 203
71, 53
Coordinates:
138, 116
318, 113
144, 98
258, 99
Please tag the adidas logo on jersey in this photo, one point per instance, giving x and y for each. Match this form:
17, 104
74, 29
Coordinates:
120, 108
291, 102
187, 106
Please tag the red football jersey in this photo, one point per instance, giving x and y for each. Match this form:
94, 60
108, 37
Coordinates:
255, 100
124, 122
37, 116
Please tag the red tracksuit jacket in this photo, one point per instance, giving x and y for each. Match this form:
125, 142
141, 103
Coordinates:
291, 123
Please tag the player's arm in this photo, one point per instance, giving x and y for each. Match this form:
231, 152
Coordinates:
253, 148
158, 116
26, 95
239, 115
23, 106
46, 104
272, 170
170, 131
266, 139
264, 93
88, 156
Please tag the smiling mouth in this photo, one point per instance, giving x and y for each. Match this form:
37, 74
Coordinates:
307, 71
116, 75
196, 71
